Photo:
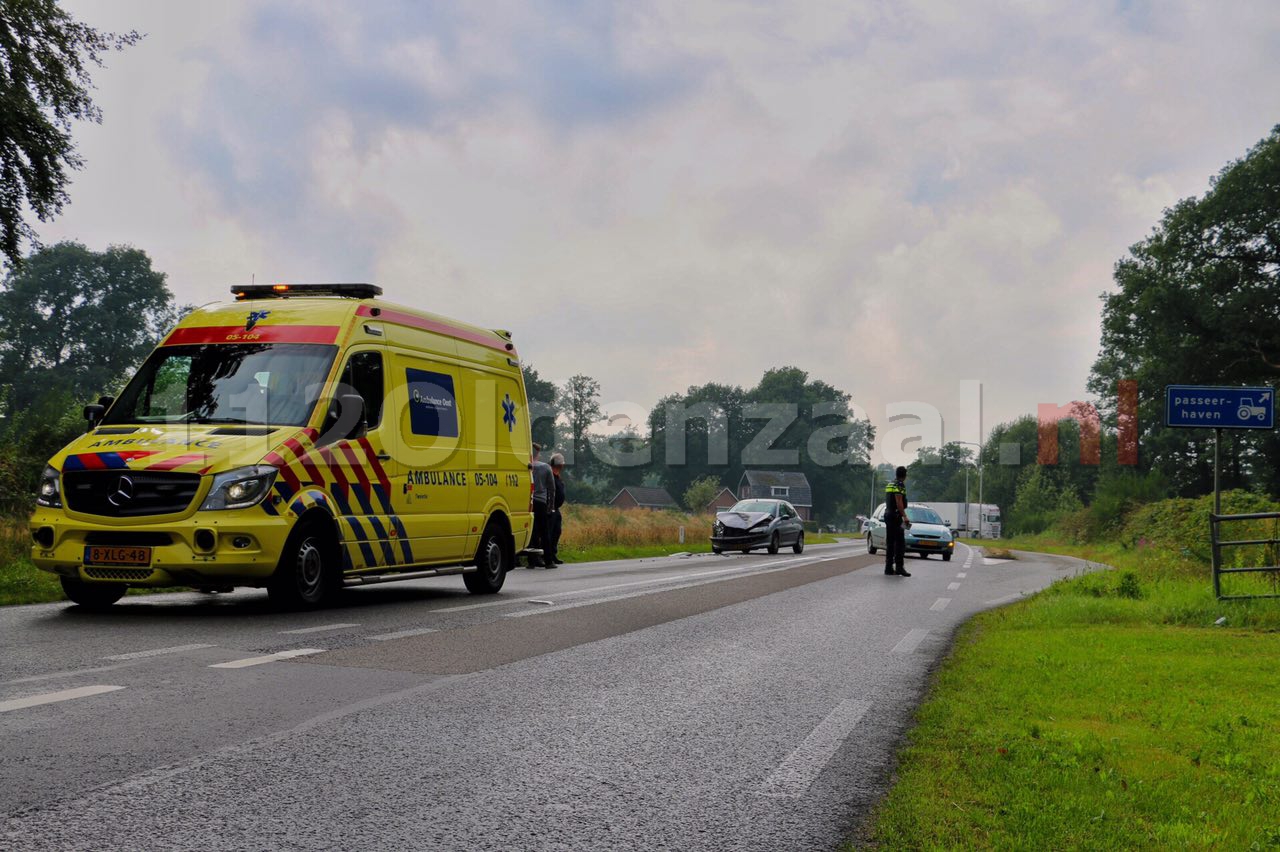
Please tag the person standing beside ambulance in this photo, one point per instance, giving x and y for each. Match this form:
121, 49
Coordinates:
544, 490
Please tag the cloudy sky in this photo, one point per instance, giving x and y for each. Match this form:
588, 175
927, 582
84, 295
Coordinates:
895, 196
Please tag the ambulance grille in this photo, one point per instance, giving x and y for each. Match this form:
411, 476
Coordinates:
117, 573
129, 494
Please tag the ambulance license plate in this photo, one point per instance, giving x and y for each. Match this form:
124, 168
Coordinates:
97, 555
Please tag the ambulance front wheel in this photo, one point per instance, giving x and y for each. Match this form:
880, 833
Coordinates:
92, 595
308, 574
492, 564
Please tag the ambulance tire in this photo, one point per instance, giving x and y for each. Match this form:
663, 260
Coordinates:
93, 596
493, 561
308, 575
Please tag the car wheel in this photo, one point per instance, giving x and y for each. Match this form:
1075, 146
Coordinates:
871, 548
775, 542
491, 564
746, 550
716, 550
93, 596
798, 547
946, 557
307, 576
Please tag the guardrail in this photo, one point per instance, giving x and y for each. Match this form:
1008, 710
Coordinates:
1273, 544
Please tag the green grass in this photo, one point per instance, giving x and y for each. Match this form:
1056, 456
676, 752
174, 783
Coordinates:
1104, 713
22, 583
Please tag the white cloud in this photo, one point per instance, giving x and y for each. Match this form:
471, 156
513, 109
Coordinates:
893, 196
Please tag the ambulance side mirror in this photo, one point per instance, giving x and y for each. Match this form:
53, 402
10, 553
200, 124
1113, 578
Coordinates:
345, 419
92, 415
352, 406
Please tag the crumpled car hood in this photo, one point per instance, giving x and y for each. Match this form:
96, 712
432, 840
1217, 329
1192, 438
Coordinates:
742, 520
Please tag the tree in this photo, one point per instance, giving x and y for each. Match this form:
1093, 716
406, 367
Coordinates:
44, 86
580, 402
1196, 304
74, 322
700, 493
543, 410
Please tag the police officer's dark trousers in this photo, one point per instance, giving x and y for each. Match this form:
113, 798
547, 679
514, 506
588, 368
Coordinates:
541, 529
895, 548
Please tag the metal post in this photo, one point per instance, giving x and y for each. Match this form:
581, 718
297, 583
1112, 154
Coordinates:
1217, 493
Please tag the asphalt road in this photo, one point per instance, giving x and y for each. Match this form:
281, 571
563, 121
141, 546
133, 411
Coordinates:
732, 702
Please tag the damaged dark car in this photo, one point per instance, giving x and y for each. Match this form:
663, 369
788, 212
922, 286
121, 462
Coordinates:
753, 524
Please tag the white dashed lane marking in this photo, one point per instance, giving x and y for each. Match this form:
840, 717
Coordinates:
54, 697
401, 634
951, 587
940, 604
961, 575
323, 628
796, 774
268, 658
911, 641
156, 652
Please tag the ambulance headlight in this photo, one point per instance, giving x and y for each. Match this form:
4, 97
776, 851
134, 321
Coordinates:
50, 493
240, 488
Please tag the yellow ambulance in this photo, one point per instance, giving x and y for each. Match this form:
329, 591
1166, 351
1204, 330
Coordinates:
303, 438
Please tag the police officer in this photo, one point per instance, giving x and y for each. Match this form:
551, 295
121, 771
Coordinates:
896, 524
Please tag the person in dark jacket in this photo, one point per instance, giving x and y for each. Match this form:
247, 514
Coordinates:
557, 517
896, 523
543, 493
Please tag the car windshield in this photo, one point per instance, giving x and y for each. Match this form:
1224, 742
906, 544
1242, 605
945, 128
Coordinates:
251, 383
754, 506
924, 515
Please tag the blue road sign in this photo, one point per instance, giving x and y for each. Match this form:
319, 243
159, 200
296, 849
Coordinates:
1219, 408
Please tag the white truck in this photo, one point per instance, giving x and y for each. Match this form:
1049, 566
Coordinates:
980, 519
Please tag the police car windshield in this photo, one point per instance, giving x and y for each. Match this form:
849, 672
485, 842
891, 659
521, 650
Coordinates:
754, 506
250, 383
923, 515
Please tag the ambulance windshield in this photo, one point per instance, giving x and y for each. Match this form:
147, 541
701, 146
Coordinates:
249, 383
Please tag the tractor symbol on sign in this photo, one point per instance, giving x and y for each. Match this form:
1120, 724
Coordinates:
1248, 409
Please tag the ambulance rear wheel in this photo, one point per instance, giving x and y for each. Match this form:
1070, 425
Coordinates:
492, 564
92, 595
307, 576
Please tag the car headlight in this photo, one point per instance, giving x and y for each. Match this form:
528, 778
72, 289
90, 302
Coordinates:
240, 488
50, 493
717, 528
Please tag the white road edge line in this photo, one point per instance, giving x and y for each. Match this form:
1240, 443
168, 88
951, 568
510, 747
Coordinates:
911, 641
269, 658
1004, 600
798, 771
401, 634
321, 628
951, 587
940, 604
54, 697
156, 652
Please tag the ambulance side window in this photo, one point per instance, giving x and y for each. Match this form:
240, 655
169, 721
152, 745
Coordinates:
363, 373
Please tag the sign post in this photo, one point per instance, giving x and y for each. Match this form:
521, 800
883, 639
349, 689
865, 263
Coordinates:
1218, 408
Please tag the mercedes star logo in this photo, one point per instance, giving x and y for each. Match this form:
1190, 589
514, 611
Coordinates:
124, 493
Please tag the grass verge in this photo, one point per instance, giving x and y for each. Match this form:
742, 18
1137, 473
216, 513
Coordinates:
1106, 712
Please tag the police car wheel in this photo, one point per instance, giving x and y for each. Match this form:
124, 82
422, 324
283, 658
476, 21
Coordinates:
305, 577
871, 548
946, 557
92, 595
775, 542
491, 565
798, 547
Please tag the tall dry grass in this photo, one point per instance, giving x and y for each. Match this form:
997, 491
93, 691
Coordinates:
602, 526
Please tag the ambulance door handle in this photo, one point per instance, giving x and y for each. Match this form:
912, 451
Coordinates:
384, 456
